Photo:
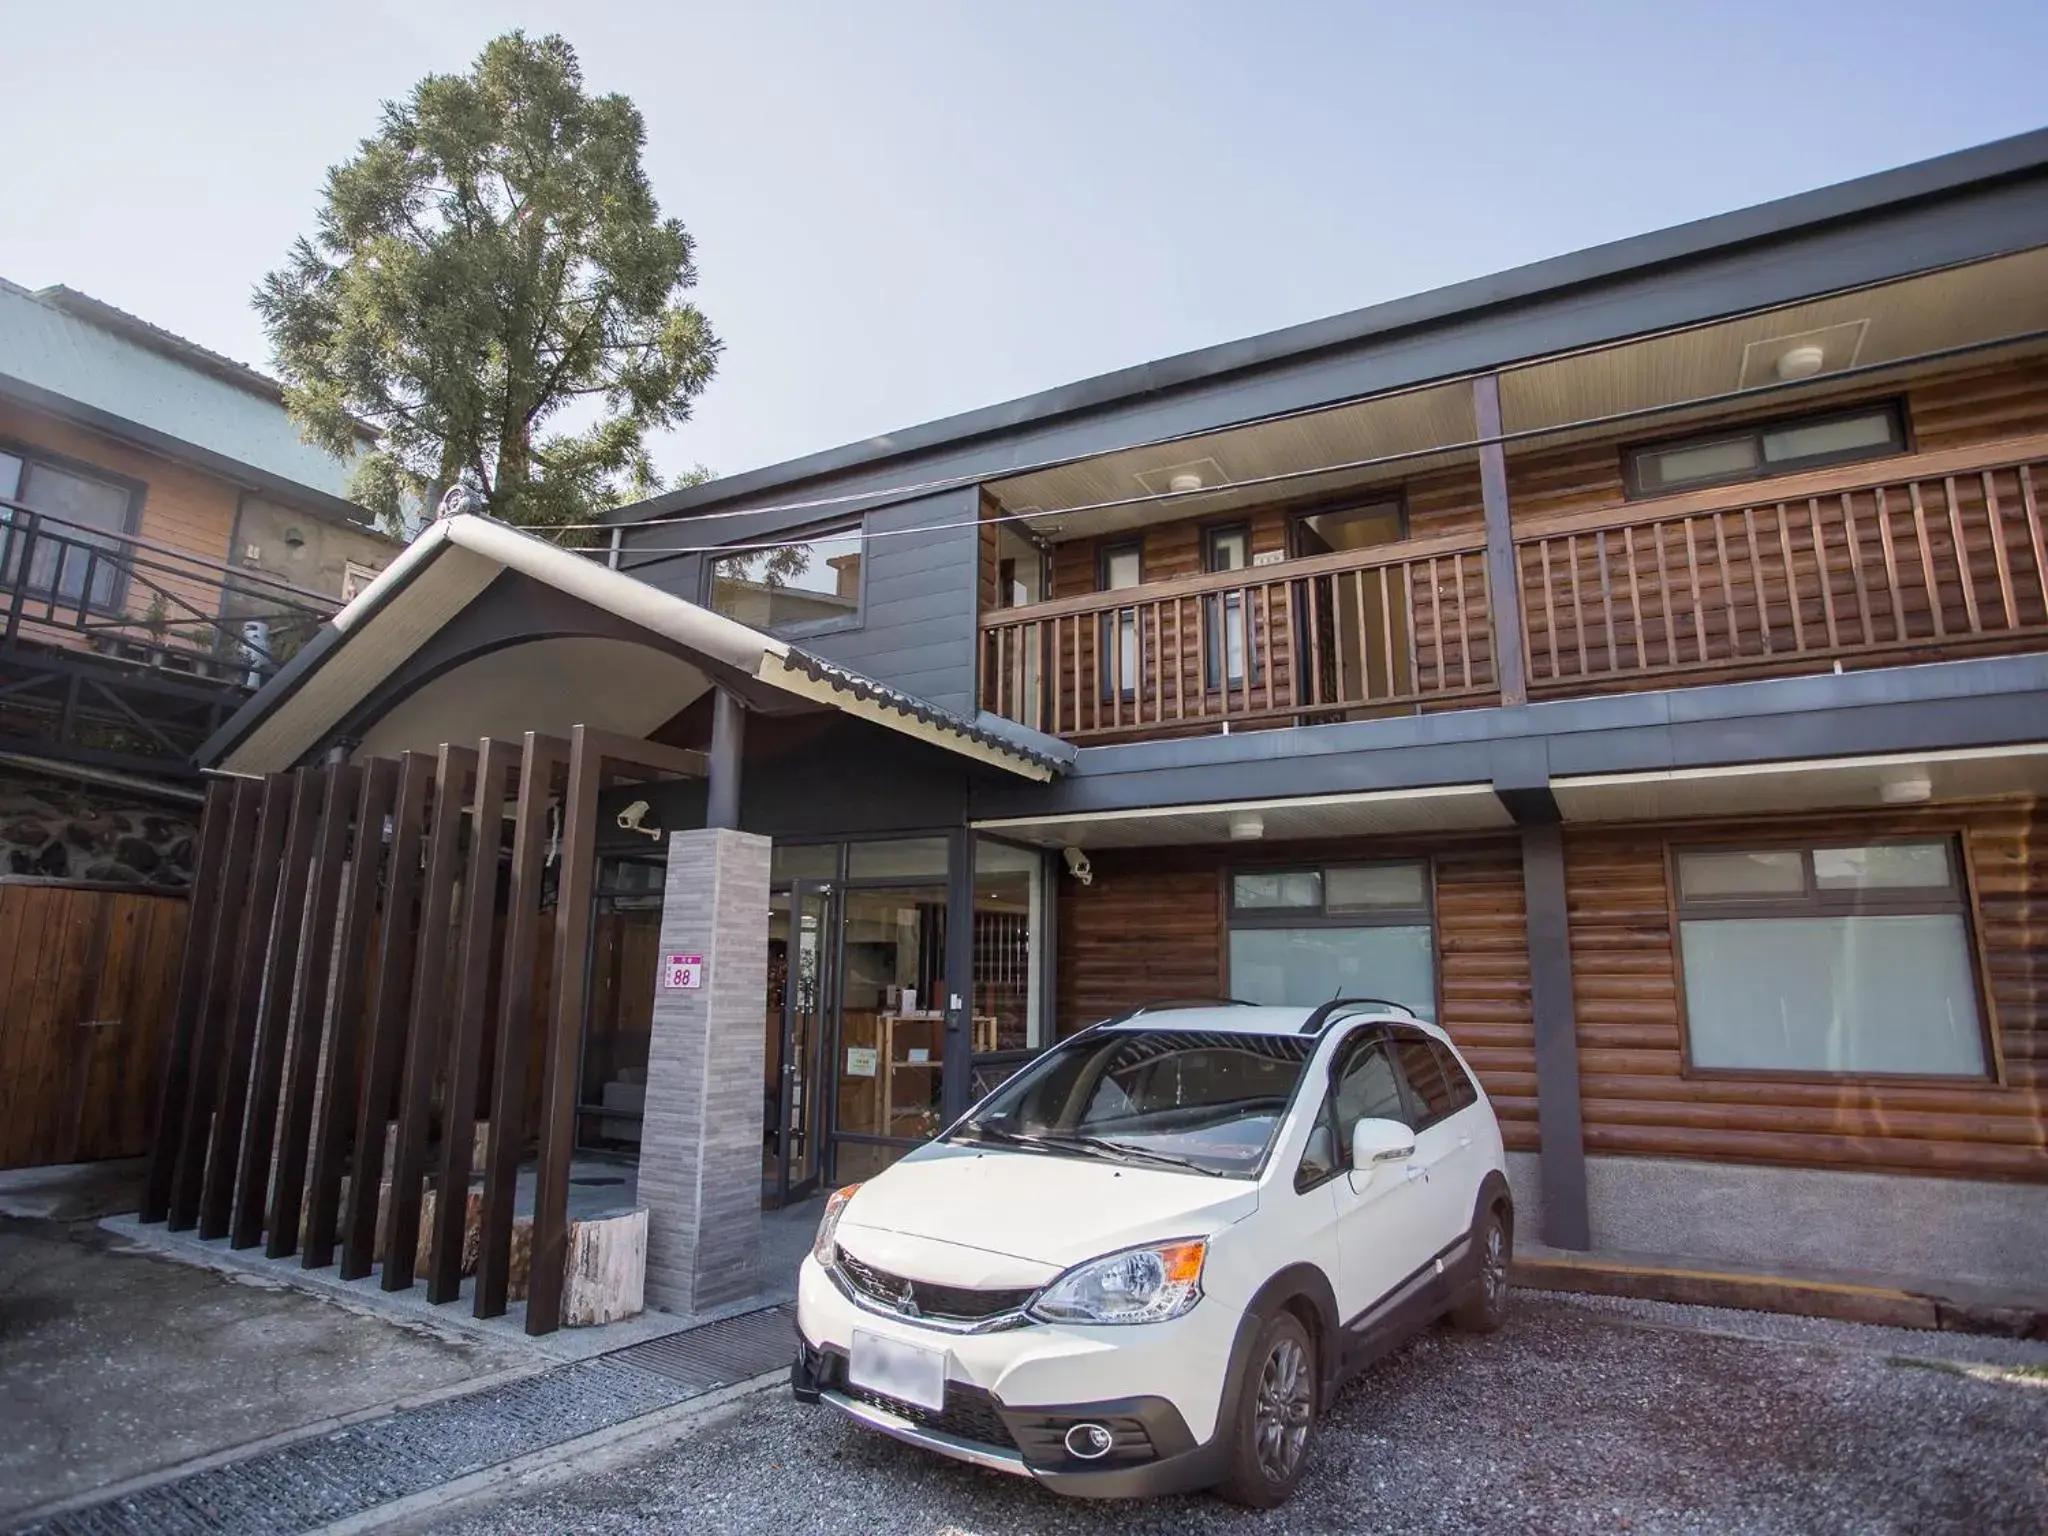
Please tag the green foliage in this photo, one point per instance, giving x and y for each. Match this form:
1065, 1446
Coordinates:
492, 289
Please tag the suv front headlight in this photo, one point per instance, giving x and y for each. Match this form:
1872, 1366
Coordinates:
1138, 1285
823, 1248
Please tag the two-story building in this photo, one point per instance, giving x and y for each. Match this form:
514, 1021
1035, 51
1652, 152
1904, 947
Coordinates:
1637, 662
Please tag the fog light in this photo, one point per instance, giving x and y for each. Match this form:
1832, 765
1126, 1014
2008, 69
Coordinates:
1089, 1442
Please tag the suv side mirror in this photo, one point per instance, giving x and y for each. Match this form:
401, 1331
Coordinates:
1374, 1142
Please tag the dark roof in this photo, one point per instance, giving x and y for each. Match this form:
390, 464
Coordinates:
1049, 752
2004, 159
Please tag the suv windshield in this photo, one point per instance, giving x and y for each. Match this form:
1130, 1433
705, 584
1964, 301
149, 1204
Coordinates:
1211, 1101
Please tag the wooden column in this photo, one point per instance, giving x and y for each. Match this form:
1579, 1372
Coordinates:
1503, 578
1560, 1123
565, 1036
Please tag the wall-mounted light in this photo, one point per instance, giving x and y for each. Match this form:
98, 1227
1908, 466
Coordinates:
1187, 480
1800, 362
293, 539
1247, 827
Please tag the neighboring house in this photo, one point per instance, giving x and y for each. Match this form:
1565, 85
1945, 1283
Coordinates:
1637, 662
166, 541
169, 539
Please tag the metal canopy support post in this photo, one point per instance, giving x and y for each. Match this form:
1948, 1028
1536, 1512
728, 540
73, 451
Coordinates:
1560, 1122
728, 740
1502, 577
956, 1081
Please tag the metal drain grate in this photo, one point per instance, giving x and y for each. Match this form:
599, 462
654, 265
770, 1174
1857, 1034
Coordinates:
313, 1482
718, 1354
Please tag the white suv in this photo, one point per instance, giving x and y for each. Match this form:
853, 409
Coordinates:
1146, 1262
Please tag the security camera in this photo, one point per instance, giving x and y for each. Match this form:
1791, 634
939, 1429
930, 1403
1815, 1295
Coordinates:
634, 819
1078, 865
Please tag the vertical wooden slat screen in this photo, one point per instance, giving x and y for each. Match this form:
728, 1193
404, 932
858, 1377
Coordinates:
280, 972
384, 1036
423, 1028
338, 1094
466, 1031
317, 964
245, 991
208, 897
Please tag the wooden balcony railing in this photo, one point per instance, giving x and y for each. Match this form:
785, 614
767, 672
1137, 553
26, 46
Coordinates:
1945, 555
1399, 624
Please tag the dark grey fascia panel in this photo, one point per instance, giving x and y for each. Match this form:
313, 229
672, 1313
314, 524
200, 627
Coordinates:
1976, 203
1995, 702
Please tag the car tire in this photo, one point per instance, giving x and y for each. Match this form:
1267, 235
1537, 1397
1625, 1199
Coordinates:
1485, 1304
1275, 1416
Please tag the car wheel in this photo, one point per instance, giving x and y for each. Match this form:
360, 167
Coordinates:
1485, 1306
1276, 1412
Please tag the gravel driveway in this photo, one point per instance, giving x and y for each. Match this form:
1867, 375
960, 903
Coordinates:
1584, 1415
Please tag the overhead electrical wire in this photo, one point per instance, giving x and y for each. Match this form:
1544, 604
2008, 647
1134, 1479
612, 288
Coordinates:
1283, 477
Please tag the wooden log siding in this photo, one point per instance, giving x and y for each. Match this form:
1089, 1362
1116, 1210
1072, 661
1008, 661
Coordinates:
1151, 926
1638, 1101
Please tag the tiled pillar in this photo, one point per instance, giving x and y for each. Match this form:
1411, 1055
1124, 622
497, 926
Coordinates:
700, 1149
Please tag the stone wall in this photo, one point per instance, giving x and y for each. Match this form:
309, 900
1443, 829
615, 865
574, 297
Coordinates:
62, 831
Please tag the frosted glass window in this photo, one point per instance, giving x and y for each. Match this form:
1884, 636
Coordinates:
1821, 439
1708, 461
1300, 967
1291, 888
1370, 887
1765, 448
1833, 994
1883, 866
1713, 873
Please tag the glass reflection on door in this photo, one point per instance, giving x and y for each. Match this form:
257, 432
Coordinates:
892, 1026
800, 933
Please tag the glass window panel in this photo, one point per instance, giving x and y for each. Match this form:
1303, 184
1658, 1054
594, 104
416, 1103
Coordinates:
1704, 872
1283, 888
1833, 994
1230, 549
1885, 866
1698, 461
898, 859
792, 587
1418, 1064
1009, 908
1357, 527
1300, 967
90, 511
10, 475
1368, 887
1366, 1089
1819, 439
803, 861
1120, 568
1455, 1078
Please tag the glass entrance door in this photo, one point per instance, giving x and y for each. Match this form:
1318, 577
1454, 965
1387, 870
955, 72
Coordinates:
889, 1060
802, 957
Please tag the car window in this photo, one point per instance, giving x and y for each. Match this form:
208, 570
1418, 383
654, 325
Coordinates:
1456, 1078
1365, 1088
1319, 1157
1417, 1055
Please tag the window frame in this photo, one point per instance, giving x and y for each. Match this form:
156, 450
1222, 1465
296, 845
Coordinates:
1110, 631
1893, 406
1357, 1037
1958, 898
858, 527
1424, 916
1217, 607
66, 464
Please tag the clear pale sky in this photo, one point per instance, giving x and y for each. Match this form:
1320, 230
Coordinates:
908, 208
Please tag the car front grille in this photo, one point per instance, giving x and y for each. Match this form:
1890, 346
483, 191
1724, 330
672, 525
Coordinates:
947, 1303
970, 1413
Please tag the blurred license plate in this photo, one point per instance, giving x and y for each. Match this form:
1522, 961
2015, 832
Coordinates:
901, 1371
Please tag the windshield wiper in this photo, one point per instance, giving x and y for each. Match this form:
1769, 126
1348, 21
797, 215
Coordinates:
1061, 1147
1125, 1149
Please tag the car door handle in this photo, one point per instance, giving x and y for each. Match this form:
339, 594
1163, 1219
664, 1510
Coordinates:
1415, 1171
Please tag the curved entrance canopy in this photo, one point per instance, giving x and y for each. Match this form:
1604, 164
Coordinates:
481, 630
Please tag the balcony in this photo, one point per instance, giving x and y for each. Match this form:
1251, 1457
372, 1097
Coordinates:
128, 653
1933, 555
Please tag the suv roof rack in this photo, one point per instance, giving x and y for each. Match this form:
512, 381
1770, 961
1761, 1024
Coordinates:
1318, 1021
1168, 1005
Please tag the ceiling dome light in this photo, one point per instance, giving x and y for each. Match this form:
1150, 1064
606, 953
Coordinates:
1801, 362
1907, 789
1247, 826
1187, 480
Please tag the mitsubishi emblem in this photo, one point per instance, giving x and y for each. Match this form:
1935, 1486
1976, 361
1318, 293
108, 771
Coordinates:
906, 1301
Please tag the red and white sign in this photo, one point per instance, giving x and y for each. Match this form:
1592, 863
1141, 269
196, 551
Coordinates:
683, 971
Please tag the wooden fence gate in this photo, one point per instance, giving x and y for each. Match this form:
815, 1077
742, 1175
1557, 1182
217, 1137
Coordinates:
85, 999
372, 997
